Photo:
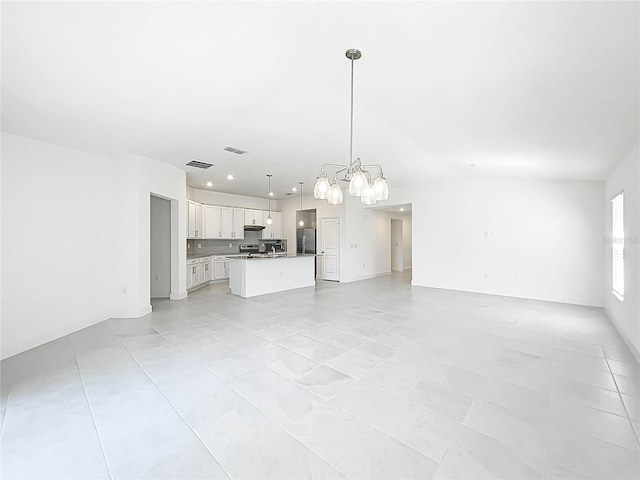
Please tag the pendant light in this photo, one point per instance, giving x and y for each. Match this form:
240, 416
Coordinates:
356, 173
269, 219
301, 222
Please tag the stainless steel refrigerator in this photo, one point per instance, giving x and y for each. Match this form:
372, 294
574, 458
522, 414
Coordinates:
306, 241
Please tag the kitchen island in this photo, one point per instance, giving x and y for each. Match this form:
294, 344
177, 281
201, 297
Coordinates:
249, 277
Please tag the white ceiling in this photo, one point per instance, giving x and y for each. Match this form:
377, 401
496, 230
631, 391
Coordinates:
522, 89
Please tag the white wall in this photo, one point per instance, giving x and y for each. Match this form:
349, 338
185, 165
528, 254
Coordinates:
57, 241
75, 238
547, 233
160, 247
625, 315
407, 239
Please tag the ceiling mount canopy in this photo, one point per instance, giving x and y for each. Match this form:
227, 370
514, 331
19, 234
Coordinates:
365, 181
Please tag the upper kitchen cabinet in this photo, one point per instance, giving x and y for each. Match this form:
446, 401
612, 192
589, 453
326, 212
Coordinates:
223, 222
253, 217
238, 224
195, 217
275, 229
213, 222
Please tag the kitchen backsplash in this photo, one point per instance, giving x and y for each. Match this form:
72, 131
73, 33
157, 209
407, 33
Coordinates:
220, 247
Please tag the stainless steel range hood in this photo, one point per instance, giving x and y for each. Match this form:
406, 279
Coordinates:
253, 228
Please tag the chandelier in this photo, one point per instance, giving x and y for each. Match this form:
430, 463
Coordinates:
365, 181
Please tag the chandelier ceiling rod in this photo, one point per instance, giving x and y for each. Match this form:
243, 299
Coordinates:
361, 181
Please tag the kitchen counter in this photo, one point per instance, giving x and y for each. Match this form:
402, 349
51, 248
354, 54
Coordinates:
249, 277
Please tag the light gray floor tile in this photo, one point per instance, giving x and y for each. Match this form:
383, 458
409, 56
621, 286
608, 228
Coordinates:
380, 456
420, 428
353, 364
365, 401
214, 386
441, 399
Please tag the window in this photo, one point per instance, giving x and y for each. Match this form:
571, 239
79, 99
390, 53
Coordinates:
617, 240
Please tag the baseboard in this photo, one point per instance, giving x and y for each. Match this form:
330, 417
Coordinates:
406, 268
632, 348
364, 277
10, 351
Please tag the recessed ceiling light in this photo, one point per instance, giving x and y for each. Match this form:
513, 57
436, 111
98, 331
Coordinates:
229, 177
402, 209
294, 189
209, 184
271, 194
472, 164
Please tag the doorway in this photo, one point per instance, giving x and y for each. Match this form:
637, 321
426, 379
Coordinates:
330, 249
160, 248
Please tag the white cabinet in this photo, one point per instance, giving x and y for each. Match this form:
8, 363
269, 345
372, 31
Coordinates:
207, 270
238, 223
220, 268
198, 272
212, 222
223, 222
253, 217
195, 219
275, 229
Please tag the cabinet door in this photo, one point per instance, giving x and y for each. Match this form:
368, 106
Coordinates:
191, 219
219, 270
194, 276
276, 226
189, 277
207, 271
249, 217
238, 223
199, 220
227, 222
212, 222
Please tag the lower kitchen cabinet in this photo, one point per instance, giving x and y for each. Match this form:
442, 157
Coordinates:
198, 272
220, 268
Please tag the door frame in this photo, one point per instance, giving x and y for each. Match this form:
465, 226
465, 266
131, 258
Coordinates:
338, 247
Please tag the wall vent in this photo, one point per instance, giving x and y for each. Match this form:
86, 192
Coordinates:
234, 150
197, 164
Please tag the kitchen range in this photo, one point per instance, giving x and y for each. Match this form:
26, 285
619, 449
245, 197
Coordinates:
264, 249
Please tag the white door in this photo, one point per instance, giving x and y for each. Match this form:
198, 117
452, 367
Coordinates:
330, 249
397, 261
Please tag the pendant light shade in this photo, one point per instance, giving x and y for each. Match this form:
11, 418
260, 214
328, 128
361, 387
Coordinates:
321, 189
368, 196
335, 196
357, 183
356, 173
380, 188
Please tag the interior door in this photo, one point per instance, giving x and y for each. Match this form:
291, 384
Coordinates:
330, 249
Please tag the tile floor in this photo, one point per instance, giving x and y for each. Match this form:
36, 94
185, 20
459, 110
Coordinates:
373, 379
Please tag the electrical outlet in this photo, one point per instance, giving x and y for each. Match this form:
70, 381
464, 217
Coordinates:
485, 275
199, 245
231, 245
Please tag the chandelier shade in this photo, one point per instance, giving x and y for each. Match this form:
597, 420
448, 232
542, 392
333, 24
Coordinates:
356, 173
321, 189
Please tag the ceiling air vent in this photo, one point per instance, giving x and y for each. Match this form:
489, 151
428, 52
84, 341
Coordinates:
197, 164
234, 150
290, 193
